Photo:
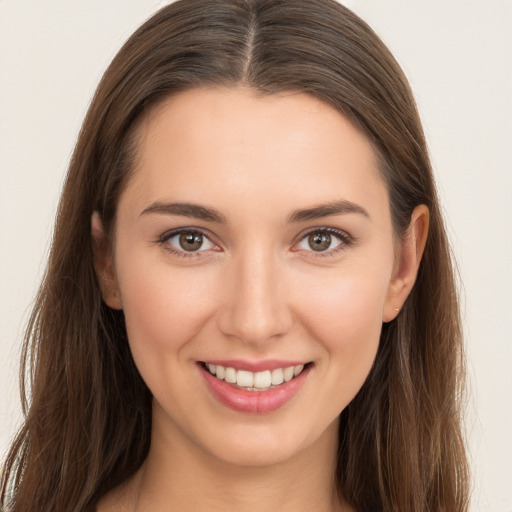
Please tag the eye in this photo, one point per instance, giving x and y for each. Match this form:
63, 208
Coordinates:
325, 240
186, 240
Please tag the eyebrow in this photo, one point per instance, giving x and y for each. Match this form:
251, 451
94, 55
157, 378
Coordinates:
326, 210
186, 210
212, 215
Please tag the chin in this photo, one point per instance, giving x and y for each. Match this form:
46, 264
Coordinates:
268, 446
257, 453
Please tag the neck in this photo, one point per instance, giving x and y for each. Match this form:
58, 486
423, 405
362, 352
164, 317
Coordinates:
178, 472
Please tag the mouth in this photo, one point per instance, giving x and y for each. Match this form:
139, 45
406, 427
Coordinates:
270, 387
255, 381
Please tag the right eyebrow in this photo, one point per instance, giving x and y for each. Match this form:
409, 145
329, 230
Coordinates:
190, 210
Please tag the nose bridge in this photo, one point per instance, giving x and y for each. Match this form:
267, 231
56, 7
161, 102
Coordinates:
256, 309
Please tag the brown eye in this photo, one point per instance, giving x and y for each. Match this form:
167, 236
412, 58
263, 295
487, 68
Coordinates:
319, 241
187, 242
328, 241
191, 241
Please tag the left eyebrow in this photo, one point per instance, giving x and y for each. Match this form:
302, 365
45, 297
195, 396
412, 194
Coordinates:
327, 210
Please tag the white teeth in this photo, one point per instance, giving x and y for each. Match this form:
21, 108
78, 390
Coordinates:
244, 379
221, 372
230, 375
277, 376
255, 380
288, 373
262, 379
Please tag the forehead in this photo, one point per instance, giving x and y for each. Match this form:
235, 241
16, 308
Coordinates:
207, 145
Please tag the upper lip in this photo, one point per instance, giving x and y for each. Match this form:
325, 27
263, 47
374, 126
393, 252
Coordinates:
254, 366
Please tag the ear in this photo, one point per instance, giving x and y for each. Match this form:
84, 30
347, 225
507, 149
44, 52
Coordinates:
104, 264
407, 264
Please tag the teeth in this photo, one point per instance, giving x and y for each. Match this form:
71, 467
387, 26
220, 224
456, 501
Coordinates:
262, 379
255, 380
230, 375
277, 376
288, 373
220, 372
244, 379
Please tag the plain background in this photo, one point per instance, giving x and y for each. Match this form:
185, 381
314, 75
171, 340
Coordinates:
458, 57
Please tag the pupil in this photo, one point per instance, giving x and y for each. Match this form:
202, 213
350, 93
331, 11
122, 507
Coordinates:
319, 241
191, 241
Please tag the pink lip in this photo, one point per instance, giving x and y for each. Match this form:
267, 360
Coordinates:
253, 401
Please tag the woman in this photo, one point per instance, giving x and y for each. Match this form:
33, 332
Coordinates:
249, 300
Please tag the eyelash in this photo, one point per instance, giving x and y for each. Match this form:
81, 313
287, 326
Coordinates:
345, 240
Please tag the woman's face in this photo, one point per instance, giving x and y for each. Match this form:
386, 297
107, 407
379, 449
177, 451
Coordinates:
255, 236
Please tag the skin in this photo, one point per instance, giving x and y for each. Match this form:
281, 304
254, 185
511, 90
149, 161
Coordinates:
255, 290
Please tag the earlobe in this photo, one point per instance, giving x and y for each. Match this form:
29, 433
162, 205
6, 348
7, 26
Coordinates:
408, 263
104, 264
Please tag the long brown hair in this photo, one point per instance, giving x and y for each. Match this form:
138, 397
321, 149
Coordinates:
88, 412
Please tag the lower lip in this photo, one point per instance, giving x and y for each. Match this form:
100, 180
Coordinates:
256, 402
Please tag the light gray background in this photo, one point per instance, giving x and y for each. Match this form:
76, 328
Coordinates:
458, 57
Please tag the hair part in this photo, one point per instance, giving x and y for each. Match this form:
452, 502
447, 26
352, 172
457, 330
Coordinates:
88, 419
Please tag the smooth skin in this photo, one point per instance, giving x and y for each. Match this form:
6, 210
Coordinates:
260, 279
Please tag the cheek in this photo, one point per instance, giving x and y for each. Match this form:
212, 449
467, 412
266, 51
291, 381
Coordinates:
164, 307
345, 306
343, 313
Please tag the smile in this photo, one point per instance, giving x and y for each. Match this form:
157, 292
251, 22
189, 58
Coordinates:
270, 385
255, 381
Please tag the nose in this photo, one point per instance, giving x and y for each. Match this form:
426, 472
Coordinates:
255, 308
